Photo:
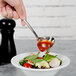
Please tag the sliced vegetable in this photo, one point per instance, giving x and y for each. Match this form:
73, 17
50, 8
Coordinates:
42, 64
55, 62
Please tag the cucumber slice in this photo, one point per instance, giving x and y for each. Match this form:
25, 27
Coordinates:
42, 64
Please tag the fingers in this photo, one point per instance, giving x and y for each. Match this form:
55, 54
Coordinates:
20, 9
2, 3
23, 22
15, 15
9, 11
24, 11
3, 12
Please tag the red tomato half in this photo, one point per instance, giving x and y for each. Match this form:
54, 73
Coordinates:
27, 65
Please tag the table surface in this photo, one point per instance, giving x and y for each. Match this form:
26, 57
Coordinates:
65, 47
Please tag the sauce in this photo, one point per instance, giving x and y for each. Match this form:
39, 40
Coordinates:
44, 45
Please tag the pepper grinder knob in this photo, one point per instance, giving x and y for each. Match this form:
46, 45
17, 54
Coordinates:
7, 24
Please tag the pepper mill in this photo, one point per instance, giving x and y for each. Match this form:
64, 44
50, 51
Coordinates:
7, 47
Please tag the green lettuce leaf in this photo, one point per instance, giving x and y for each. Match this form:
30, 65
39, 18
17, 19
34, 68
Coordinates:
49, 57
21, 62
32, 57
37, 60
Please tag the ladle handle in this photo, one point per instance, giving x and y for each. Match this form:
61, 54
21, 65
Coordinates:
29, 26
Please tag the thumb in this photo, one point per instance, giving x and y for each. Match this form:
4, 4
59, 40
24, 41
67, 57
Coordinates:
2, 3
19, 9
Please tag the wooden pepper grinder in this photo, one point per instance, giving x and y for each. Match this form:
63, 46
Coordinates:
7, 48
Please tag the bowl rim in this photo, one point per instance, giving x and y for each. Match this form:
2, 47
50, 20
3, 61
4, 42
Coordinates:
32, 69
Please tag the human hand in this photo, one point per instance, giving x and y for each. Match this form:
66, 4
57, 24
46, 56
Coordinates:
13, 9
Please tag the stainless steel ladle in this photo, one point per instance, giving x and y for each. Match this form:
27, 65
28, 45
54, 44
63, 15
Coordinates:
37, 37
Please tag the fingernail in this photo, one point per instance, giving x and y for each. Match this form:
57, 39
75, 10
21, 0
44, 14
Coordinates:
14, 14
22, 17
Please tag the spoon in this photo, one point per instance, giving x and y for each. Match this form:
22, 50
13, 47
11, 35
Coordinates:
37, 37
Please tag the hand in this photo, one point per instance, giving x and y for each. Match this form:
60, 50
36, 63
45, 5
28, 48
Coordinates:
13, 9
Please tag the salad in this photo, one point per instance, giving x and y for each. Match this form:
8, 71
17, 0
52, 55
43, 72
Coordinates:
45, 62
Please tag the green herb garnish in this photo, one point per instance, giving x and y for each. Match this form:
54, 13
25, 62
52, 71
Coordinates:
48, 57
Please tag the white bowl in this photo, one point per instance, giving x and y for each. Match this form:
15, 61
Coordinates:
40, 72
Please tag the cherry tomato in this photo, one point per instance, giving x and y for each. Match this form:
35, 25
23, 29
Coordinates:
27, 65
